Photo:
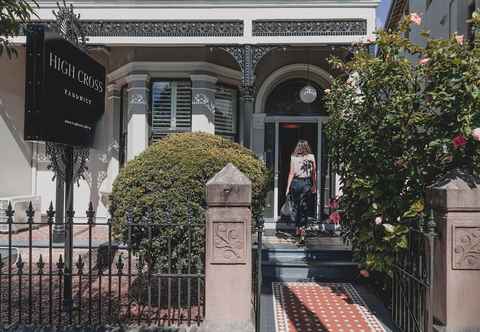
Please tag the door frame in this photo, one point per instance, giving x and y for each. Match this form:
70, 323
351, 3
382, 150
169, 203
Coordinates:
277, 119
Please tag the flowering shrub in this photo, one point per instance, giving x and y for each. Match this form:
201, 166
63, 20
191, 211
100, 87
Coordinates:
168, 180
399, 122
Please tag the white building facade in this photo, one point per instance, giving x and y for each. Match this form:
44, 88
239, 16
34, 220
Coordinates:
231, 68
441, 17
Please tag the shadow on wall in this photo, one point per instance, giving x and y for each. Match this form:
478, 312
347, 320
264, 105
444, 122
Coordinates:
15, 171
104, 151
96, 177
14, 122
12, 95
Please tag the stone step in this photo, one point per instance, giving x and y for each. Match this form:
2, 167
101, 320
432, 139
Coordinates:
298, 269
271, 228
280, 254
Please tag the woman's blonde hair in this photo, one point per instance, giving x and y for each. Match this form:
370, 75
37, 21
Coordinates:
302, 148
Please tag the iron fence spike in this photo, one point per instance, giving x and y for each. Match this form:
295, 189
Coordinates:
20, 264
120, 265
90, 213
50, 213
9, 212
30, 213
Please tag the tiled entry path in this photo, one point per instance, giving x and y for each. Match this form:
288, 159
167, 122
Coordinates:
315, 288
321, 307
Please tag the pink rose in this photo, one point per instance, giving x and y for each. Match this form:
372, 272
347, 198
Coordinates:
424, 61
415, 18
364, 273
459, 141
335, 217
399, 163
378, 220
476, 134
333, 204
460, 39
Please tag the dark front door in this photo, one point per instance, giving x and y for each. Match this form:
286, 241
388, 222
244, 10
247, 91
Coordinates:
289, 134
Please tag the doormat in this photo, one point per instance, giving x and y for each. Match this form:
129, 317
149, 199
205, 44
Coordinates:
321, 307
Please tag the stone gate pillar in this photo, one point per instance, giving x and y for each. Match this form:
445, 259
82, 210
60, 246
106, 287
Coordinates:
228, 270
456, 281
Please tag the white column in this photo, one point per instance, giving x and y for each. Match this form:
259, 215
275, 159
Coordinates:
258, 133
203, 103
113, 109
138, 92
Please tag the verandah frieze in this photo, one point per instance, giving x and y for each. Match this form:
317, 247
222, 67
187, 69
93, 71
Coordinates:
321, 27
227, 28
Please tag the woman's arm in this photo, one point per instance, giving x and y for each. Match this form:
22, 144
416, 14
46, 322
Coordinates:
314, 177
290, 177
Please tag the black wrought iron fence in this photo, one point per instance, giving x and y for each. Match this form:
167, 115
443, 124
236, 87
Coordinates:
257, 271
96, 278
412, 278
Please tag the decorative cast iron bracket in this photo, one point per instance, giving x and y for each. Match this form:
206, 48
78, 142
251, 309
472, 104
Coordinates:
68, 25
248, 57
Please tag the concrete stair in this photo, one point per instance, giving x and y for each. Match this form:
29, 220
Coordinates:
322, 259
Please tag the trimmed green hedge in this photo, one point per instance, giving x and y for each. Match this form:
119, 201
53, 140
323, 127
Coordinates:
168, 180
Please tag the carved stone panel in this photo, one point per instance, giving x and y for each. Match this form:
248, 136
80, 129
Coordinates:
228, 242
466, 248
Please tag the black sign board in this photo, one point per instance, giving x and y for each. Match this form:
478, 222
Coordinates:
64, 92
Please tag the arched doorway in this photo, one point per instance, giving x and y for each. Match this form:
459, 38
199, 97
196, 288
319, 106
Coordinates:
281, 119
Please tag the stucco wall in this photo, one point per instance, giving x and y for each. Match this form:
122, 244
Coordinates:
16, 155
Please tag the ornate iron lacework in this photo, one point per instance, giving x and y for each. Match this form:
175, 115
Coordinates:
338, 27
160, 28
248, 57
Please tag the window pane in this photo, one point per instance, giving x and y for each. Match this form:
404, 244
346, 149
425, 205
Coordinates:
171, 107
226, 112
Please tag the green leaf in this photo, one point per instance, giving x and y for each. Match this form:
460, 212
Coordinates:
389, 228
416, 208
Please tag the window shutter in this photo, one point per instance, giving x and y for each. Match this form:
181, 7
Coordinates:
171, 107
183, 107
226, 112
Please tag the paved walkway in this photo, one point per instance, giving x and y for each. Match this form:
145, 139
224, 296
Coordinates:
317, 306
322, 307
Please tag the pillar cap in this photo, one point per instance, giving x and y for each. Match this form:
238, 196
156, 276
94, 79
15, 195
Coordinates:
229, 187
457, 191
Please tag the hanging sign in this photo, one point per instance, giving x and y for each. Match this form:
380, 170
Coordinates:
64, 92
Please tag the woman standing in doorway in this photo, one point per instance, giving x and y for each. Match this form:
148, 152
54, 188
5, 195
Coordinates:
301, 184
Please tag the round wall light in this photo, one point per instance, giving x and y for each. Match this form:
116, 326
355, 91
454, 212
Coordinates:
308, 94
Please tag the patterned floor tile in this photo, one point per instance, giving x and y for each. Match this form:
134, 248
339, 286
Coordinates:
321, 307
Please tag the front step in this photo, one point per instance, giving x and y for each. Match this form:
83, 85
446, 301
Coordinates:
272, 228
285, 255
299, 270
321, 258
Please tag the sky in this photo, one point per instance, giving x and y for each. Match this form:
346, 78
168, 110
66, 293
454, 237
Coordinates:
382, 12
